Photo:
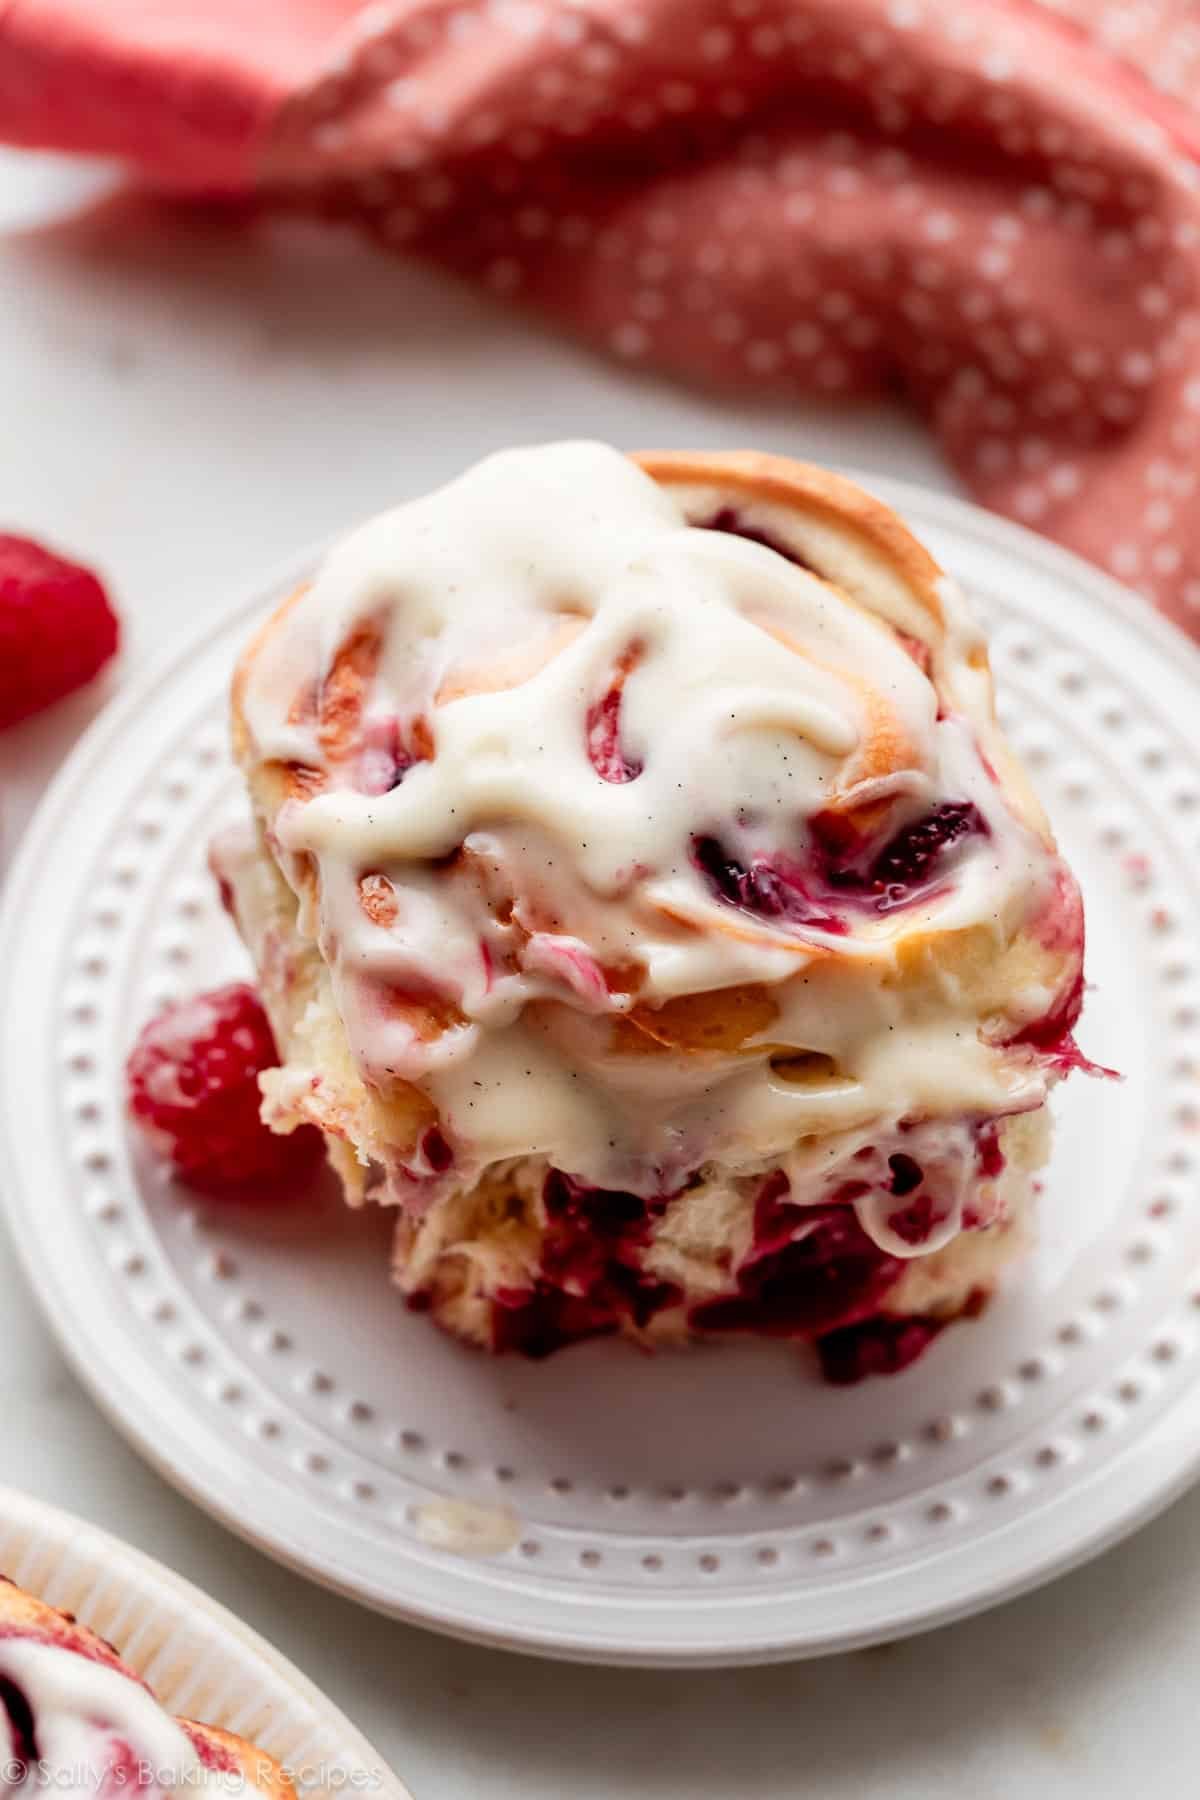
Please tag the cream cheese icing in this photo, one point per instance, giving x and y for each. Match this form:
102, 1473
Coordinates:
567, 691
89, 1720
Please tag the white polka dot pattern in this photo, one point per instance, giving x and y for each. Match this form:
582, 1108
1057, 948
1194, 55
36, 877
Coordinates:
994, 208
1027, 270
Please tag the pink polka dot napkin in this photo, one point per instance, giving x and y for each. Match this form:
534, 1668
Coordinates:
992, 206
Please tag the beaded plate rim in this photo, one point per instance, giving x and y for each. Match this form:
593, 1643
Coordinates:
448, 1594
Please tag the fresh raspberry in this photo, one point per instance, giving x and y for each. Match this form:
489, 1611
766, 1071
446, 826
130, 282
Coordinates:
193, 1089
57, 629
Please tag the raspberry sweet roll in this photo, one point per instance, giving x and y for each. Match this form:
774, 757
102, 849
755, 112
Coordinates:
649, 908
74, 1719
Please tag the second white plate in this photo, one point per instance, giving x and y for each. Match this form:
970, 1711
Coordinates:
200, 1661
705, 1508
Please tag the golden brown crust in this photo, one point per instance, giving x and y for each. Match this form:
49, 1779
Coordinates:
884, 748
808, 490
799, 487
245, 663
262, 1772
874, 529
377, 897
344, 690
722, 1022
777, 480
22, 1613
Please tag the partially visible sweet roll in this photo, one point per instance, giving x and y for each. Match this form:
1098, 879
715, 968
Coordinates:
75, 1719
650, 909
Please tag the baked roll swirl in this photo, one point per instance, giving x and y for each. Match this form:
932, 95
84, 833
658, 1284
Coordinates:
74, 1719
649, 906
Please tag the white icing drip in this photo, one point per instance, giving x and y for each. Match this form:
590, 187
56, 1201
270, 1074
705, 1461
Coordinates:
81, 1706
466, 1529
753, 695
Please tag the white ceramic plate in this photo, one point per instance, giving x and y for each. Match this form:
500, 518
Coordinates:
716, 1507
199, 1659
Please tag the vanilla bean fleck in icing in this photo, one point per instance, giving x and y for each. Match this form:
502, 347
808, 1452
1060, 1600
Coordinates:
566, 693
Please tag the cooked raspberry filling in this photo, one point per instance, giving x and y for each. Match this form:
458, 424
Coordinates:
591, 1270
14, 1703
212, 1755
538, 1321
908, 868
811, 1268
605, 753
907, 1174
991, 1156
877, 1346
812, 1273
1054, 1036
911, 854
389, 751
604, 741
731, 521
908, 865
436, 1151
1053, 1030
916, 1223
769, 887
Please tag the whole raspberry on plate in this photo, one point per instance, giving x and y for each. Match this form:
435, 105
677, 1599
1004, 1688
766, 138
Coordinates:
193, 1090
57, 628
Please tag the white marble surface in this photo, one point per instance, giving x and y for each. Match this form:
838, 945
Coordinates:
180, 404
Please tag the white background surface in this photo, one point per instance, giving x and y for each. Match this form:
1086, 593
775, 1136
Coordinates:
182, 403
